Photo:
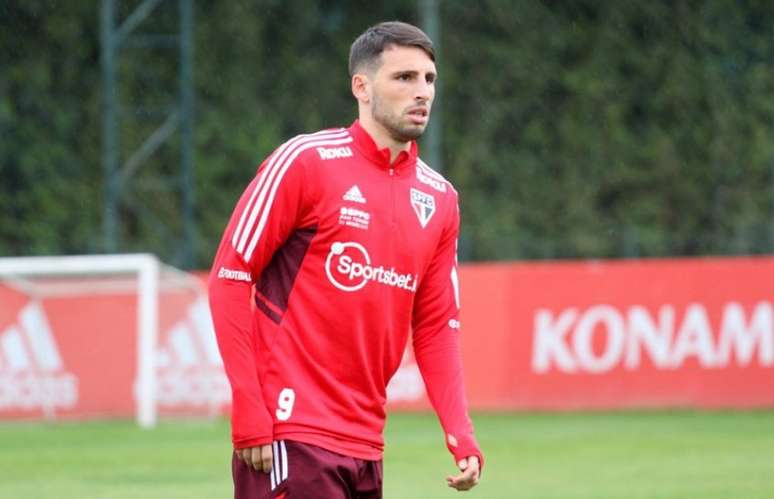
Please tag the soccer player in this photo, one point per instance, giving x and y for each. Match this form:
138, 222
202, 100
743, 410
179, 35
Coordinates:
349, 242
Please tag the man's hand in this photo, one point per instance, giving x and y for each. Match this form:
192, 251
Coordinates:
258, 458
469, 477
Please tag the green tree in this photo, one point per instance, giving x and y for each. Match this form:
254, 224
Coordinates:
572, 129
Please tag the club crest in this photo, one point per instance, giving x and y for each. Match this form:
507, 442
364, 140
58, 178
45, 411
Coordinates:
424, 206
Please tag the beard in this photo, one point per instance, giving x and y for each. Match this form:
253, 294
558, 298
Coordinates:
399, 130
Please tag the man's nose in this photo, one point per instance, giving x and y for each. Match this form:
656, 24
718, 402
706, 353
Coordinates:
424, 91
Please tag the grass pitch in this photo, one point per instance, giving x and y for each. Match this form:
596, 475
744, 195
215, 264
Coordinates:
538, 456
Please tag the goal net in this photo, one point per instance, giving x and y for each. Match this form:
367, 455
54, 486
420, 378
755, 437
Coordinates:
106, 336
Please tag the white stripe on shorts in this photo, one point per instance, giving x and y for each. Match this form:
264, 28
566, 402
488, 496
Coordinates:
279, 472
275, 470
285, 462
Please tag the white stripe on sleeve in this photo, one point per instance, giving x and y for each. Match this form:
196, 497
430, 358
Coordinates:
429, 171
245, 211
263, 177
434, 174
456, 283
275, 166
280, 169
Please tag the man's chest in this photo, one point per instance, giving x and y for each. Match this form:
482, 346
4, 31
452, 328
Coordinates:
388, 220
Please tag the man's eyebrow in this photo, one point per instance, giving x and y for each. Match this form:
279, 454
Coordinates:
412, 72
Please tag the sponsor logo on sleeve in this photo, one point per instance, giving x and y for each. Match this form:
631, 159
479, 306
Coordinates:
428, 180
334, 152
349, 268
424, 206
234, 275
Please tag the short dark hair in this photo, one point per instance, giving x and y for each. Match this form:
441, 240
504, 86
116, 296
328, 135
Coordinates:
367, 48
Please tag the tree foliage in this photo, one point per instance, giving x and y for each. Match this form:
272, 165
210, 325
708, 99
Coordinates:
571, 129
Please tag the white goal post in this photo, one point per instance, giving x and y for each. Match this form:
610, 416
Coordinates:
146, 268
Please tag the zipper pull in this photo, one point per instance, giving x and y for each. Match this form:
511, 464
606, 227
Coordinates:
392, 172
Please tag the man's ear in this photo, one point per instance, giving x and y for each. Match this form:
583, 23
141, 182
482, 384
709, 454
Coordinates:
361, 88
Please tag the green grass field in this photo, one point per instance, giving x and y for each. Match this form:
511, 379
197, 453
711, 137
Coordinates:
601, 455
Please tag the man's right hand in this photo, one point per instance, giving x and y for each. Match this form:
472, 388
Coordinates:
471, 474
259, 458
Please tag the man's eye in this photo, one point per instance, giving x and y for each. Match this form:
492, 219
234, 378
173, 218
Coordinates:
404, 77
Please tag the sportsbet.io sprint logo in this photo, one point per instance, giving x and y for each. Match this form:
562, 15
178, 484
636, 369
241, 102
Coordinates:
349, 268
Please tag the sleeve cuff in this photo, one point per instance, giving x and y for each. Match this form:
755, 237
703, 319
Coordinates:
253, 442
464, 446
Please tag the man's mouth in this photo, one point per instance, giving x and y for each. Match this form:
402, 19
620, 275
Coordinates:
418, 115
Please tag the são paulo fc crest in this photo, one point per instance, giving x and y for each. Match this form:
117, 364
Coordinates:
424, 206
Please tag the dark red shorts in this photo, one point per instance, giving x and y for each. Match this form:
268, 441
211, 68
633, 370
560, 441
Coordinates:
303, 471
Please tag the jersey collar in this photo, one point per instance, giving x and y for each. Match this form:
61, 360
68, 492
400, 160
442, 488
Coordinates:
381, 157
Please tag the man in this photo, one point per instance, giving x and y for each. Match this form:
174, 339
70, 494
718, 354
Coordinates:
350, 241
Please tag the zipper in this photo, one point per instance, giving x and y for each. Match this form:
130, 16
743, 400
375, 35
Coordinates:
393, 219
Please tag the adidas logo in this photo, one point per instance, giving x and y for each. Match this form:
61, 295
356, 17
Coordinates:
32, 375
189, 366
354, 195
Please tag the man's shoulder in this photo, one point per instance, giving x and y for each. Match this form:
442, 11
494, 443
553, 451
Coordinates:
431, 178
321, 145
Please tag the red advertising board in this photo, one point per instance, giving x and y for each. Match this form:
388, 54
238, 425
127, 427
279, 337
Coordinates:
555, 336
73, 355
620, 334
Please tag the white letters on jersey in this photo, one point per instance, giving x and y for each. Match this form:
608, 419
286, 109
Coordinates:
429, 177
234, 275
334, 152
349, 268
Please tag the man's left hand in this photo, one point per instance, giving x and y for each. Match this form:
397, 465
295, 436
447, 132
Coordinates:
469, 476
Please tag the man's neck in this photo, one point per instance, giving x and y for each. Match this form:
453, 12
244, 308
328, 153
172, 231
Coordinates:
382, 138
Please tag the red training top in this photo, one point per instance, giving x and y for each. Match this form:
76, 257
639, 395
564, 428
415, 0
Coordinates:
348, 254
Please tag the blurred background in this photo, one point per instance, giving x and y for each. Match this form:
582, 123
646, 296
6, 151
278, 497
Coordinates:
615, 164
573, 129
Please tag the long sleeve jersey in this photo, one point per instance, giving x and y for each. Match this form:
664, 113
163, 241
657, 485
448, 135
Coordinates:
332, 259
